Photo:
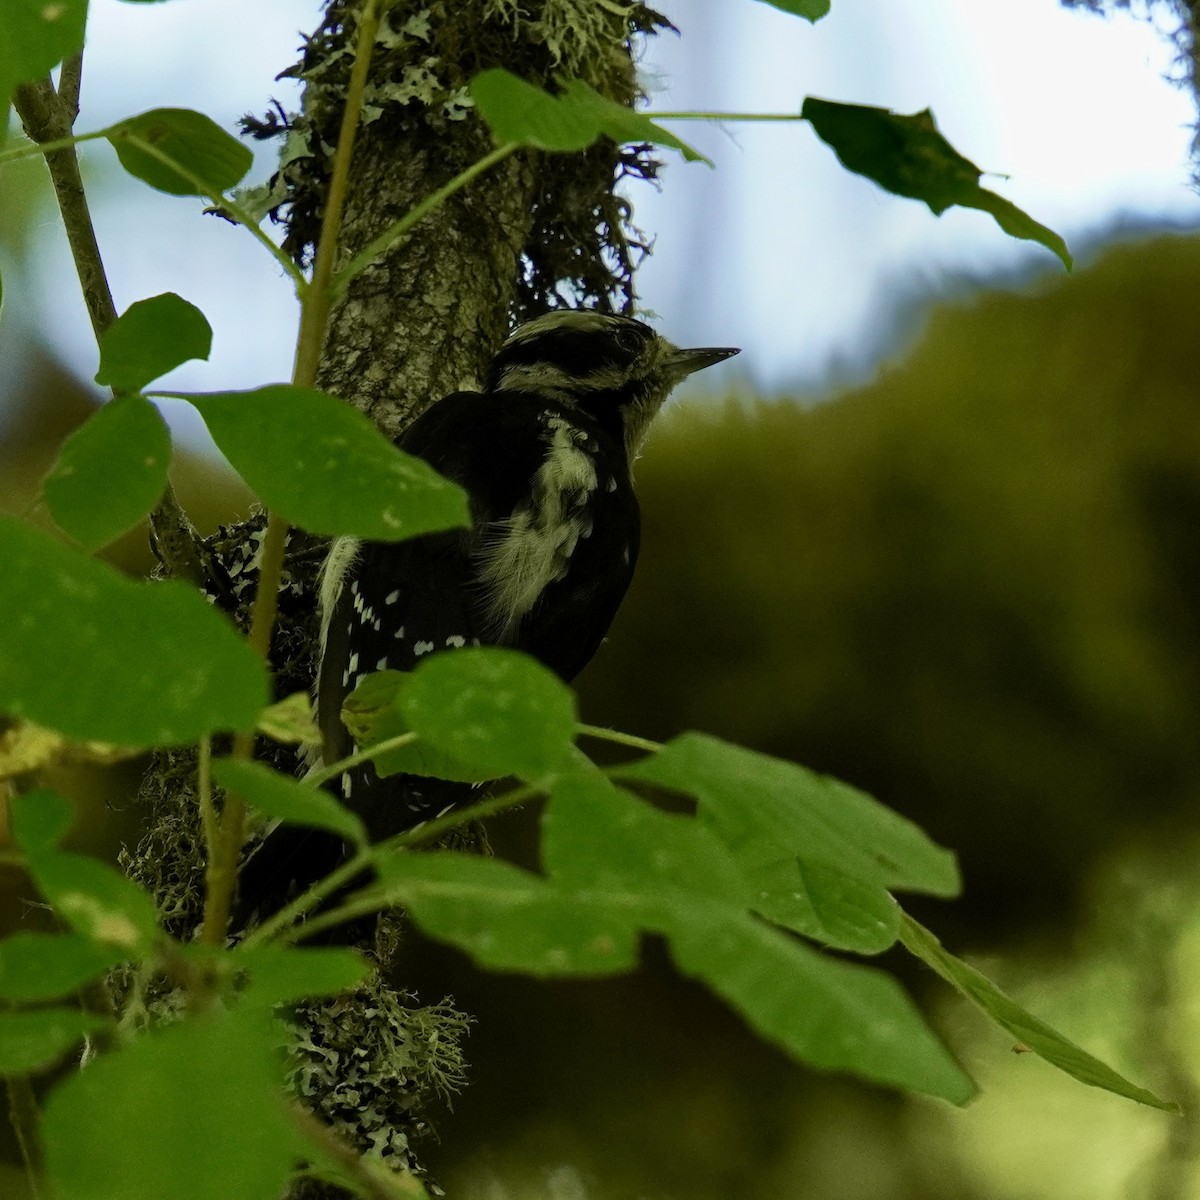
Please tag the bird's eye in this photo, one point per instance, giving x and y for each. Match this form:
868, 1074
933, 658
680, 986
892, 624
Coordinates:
629, 341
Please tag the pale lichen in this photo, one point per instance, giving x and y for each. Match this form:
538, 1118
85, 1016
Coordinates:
583, 246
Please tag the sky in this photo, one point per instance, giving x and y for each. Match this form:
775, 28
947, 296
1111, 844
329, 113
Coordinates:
776, 249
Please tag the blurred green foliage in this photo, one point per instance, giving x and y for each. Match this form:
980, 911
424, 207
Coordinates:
971, 588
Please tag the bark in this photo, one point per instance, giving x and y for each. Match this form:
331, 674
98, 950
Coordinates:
423, 321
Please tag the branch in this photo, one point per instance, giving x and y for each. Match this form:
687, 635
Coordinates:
47, 117
70, 79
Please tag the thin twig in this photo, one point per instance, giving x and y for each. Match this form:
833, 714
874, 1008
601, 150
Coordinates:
314, 317
35, 149
373, 899
281, 924
618, 738
70, 79
720, 116
354, 760
219, 200
221, 877
371, 902
430, 831
308, 899
46, 119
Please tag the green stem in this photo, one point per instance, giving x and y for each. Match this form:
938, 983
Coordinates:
350, 911
373, 901
308, 899
221, 878
314, 316
218, 200
430, 831
59, 145
54, 146
388, 238
618, 738
721, 116
221, 874
345, 764
281, 924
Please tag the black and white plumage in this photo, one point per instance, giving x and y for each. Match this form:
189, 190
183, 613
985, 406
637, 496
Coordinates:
544, 452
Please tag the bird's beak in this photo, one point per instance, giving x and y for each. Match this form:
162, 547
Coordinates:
686, 362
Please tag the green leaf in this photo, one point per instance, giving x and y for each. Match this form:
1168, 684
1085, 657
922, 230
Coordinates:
907, 155
414, 758
1046, 1042
32, 1040
290, 720
497, 712
598, 836
618, 867
276, 795
764, 807
810, 10
325, 467
835, 1015
195, 1110
49, 966
670, 875
620, 123
825, 904
505, 918
99, 657
205, 160
40, 820
110, 472
517, 111
373, 697
149, 339
282, 975
97, 901
371, 716
36, 36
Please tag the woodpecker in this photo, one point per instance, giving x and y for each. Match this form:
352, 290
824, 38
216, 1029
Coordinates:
544, 452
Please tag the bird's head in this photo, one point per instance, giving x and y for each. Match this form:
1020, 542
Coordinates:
616, 369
